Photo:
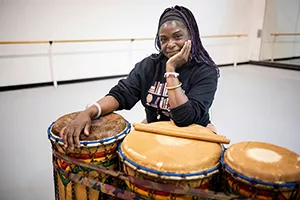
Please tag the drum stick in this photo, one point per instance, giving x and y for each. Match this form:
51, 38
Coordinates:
193, 129
181, 133
190, 129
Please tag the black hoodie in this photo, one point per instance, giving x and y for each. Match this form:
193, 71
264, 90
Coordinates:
146, 82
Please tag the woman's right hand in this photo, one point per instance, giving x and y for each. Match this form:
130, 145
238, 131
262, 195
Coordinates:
70, 133
181, 57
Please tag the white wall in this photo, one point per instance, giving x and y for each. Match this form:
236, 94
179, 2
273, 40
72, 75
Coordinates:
257, 11
281, 17
296, 43
59, 20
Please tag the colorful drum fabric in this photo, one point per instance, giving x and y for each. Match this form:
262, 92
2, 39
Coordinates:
169, 160
98, 148
261, 170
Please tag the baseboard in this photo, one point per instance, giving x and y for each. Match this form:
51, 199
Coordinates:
275, 65
35, 85
24, 86
231, 64
286, 58
90, 79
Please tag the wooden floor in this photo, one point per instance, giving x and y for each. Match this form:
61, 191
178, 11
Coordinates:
252, 103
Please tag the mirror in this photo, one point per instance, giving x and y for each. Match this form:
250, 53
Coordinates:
280, 46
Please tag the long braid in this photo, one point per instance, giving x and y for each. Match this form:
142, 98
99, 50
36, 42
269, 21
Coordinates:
198, 51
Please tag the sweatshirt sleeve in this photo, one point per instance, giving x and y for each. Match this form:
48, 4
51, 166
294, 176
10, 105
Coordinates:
201, 96
128, 91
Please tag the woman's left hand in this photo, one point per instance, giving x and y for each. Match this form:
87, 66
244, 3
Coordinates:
181, 57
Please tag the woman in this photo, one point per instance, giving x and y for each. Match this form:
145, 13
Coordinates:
177, 84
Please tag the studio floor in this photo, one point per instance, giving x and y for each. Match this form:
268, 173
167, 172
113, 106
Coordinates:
253, 103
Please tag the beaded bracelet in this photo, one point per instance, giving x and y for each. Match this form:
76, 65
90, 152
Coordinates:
168, 74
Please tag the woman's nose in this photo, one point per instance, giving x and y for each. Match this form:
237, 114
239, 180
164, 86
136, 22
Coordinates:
171, 44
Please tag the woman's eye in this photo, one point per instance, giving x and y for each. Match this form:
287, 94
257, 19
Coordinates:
162, 40
177, 37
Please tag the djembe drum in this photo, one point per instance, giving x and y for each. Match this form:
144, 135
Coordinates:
261, 170
169, 160
98, 148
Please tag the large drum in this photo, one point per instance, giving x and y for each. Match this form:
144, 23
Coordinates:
261, 170
98, 148
169, 160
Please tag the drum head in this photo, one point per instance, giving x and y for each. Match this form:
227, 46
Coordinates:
104, 127
171, 154
263, 161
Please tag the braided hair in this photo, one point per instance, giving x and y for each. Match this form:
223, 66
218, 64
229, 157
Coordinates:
198, 51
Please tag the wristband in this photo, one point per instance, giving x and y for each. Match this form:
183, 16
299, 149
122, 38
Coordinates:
99, 110
98, 107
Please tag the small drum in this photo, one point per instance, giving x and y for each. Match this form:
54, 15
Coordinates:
98, 148
169, 160
261, 170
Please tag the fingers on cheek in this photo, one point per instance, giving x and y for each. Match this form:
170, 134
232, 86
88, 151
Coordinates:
188, 47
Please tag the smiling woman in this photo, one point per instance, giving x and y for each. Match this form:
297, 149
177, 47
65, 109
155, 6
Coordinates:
177, 84
172, 36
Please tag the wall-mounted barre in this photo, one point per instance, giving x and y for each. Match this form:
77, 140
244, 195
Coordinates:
51, 42
106, 40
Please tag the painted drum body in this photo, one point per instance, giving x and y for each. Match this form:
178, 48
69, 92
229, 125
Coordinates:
98, 148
